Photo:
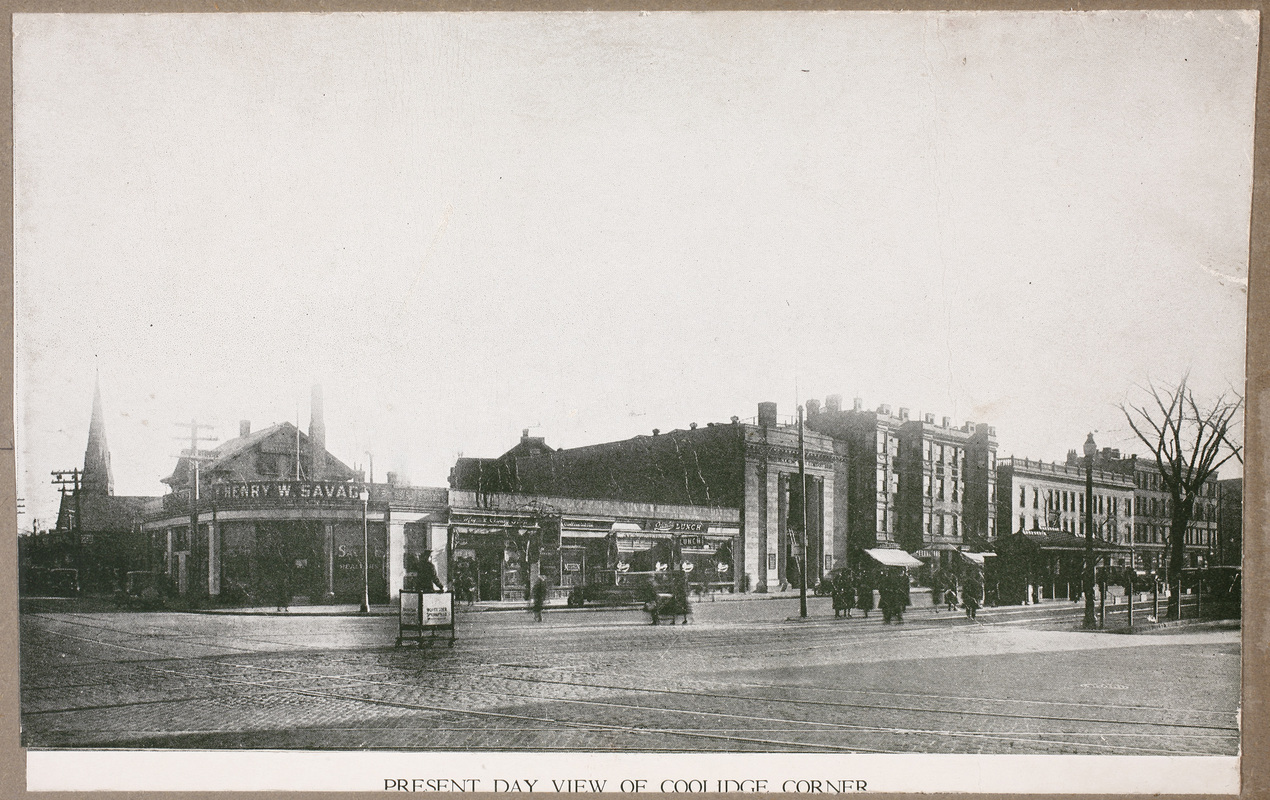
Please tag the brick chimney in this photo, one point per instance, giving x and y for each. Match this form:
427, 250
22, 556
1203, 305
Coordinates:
833, 402
767, 415
813, 408
317, 436
244, 427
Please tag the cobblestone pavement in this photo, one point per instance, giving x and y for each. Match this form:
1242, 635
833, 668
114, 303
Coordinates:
741, 677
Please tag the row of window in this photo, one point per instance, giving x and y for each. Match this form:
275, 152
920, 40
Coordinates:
1063, 500
1153, 481
1159, 534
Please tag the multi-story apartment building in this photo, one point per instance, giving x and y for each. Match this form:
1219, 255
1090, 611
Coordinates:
1152, 506
1050, 497
914, 484
1042, 554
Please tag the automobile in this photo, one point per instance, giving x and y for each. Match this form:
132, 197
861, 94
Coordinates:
63, 582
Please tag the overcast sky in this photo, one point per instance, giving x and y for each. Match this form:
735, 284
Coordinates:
594, 225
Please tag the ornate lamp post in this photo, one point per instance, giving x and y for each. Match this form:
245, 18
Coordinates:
365, 498
1090, 450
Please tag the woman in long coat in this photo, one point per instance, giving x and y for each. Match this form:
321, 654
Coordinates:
864, 597
840, 588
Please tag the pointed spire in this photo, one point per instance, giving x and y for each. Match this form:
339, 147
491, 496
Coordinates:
97, 475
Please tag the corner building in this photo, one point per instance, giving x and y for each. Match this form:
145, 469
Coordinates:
270, 516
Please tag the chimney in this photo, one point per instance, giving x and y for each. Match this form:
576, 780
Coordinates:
857, 404
317, 436
392, 479
903, 414
884, 410
656, 431
929, 419
813, 408
947, 422
692, 426
833, 402
970, 427
767, 415
1072, 458
244, 427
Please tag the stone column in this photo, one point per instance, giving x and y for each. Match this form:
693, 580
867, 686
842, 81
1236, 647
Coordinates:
396, 557
828, 526
328, 550
213, 558
771, 537
439, 545
750, 559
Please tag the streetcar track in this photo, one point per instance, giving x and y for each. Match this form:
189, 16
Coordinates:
337, 693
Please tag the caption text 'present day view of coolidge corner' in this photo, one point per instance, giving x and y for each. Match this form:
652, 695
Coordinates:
271, 517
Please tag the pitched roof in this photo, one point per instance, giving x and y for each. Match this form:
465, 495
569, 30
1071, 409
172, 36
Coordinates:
221, 456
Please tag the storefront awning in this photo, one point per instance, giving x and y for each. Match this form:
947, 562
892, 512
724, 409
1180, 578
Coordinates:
891, 557
977, 558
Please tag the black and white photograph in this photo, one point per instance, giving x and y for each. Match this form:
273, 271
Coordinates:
632, 402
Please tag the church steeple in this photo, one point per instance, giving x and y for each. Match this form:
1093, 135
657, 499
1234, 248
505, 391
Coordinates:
97, 478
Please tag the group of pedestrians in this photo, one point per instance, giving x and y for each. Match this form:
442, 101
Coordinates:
848, 596
893, 595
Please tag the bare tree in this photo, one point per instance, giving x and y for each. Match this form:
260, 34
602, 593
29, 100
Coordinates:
1190, 441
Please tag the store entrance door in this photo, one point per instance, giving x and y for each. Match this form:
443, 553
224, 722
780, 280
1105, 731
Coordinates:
489, 574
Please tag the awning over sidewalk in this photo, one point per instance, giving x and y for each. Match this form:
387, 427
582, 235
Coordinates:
977, 558
891, 557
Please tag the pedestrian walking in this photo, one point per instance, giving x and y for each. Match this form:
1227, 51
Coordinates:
538, 598
970, 597
950, 598
840, 589
864, 598
679, 604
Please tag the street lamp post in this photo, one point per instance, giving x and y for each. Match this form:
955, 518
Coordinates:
1090, 450
365, 498
802, 478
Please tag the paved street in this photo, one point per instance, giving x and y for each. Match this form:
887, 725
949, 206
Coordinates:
740, 677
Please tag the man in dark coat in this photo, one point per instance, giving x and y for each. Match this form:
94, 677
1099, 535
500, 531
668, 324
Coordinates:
428, 576
539, 598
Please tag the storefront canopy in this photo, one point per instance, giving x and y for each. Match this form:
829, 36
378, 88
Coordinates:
977, 558
891, 557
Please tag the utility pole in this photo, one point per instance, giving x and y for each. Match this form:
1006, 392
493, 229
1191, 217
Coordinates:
802, 479
1091, 449
63, 478
196, 458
